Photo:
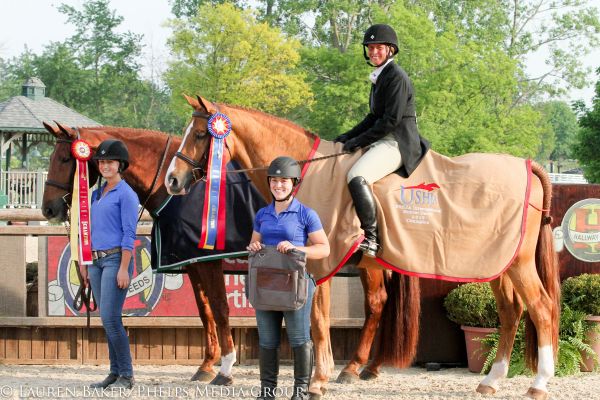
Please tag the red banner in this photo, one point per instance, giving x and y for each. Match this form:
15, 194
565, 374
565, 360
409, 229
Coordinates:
149, 293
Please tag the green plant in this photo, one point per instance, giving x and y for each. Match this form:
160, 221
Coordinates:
582, 293
472, 304
571, 346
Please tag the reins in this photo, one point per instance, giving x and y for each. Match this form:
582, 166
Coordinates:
198, 165
299, 162
156, 176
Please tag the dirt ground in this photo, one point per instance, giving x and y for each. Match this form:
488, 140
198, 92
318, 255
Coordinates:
165, 382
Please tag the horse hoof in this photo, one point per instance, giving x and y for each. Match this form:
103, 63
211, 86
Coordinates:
346, 377
317, 396
203, 376
485, 389
221, 380
367, 375
536, 394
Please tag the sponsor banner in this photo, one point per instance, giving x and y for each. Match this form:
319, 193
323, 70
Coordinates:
149, 294
580, 230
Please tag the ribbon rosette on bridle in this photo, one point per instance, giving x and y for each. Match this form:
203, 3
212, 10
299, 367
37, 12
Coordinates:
213, 214
81, 244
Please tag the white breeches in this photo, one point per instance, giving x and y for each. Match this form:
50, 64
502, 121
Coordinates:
381, 159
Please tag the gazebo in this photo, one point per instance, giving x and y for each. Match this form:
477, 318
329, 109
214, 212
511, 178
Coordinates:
21, 129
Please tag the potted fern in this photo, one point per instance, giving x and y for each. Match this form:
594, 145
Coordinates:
582, 294
473, 307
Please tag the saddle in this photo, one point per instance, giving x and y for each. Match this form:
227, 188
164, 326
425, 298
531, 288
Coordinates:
457, 219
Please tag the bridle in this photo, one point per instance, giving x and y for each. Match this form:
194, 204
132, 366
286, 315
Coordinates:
197, 167
67, 187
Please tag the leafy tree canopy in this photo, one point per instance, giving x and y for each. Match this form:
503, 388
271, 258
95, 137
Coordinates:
226, 55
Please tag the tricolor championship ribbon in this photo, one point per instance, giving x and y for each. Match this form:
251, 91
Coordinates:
81, 240
213, 214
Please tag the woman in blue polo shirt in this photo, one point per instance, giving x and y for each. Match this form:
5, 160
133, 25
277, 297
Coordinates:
114, 220
287, 224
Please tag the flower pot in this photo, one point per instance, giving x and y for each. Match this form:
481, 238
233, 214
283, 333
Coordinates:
593, 339
476, 351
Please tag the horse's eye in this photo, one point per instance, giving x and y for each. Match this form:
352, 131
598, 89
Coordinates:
199, 135
65, 159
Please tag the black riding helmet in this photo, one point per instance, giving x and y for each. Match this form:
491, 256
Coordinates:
380, 33
113, 149
285, 167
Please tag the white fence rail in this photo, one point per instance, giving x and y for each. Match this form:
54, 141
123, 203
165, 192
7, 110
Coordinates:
568, 178
24, 189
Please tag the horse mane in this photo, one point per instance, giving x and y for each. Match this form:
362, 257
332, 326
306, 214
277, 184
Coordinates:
279, 120
136, 131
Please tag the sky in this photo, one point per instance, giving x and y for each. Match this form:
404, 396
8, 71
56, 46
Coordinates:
36, 23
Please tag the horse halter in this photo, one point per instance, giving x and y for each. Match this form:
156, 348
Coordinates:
67, 187
197, 167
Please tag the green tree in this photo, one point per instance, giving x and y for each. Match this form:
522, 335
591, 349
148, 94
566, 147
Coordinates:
224, 54
528, 28
561, 129
587, 141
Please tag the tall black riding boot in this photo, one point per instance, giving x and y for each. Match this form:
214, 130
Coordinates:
303, 364
364, 203
268, 363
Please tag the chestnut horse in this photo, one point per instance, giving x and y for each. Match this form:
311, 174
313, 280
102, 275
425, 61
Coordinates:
148, 148
532, 278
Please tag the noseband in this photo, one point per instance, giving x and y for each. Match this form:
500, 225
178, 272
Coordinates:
197, 167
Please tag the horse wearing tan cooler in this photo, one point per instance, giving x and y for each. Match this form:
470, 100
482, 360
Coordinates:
528, 276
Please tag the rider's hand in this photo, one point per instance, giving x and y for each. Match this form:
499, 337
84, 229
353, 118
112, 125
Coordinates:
352, 145
285, 246
254, 246
341, 139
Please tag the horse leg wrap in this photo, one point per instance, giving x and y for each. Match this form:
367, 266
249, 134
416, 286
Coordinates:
227, 362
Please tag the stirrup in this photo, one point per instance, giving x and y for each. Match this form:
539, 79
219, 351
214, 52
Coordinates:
369, 248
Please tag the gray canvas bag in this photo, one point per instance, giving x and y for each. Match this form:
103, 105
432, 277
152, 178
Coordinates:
277, 281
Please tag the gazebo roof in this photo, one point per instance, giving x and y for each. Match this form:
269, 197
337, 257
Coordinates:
26, 113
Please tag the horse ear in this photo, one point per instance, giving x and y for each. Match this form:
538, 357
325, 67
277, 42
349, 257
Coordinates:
54, 131
191, 101
208, 106
66, 131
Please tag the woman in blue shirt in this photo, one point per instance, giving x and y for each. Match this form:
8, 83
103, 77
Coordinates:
287, 224
114, 220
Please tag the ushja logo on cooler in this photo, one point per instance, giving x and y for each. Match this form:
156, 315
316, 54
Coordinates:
581, 230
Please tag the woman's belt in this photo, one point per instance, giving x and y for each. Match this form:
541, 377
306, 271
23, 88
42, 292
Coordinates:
103, 253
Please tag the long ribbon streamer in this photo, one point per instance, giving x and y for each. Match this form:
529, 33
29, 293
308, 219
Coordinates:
80, 236
213, 214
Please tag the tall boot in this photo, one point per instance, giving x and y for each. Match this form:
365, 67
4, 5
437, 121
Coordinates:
303, 365
364, 203
268, 363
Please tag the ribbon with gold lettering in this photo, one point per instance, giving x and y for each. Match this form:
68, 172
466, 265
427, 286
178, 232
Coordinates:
213, 213
81, 241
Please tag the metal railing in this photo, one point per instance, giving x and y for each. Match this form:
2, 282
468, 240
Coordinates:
24, 189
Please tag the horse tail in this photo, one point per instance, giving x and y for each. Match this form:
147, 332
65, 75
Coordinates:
547, 266
399, 324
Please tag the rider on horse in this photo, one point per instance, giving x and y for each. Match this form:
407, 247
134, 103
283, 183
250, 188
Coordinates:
389, 130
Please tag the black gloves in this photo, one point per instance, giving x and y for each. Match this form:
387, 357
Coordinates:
352, 145
341, 139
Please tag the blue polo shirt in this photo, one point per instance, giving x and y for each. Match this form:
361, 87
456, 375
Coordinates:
293, 224
114, 217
